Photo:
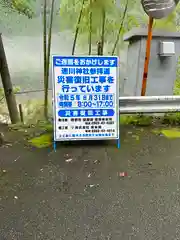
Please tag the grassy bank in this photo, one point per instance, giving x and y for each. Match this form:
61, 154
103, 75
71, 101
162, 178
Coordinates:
146, 120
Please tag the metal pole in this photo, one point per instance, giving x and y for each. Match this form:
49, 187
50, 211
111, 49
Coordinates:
149, 104
150, 98
147, 57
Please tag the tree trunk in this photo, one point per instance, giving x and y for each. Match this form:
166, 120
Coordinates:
101, 43
77, 28
45, 57
103, 28
7, 85
90, 28
1, 139
120, 28
48, 57
99, 49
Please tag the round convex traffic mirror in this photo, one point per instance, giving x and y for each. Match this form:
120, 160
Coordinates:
158, 9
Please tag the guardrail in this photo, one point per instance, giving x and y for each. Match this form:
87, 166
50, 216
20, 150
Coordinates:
138, 104
149, 104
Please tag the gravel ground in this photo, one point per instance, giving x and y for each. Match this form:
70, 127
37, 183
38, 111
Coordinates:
79, 193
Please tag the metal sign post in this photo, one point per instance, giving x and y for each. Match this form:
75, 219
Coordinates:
147, 57
155, 9
85, 98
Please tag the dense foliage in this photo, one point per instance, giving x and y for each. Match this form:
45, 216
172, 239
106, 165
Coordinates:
91, 19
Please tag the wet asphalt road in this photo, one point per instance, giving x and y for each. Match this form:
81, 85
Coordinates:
46, 195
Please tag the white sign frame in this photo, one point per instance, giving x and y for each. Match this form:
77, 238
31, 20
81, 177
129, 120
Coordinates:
116, 118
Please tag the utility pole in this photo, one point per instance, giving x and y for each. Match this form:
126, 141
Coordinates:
7, 85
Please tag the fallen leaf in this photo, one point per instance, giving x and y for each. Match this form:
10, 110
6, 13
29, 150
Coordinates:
155, 131
8, 144
96, 161
17, 159
136, 137
69, 160
122, 174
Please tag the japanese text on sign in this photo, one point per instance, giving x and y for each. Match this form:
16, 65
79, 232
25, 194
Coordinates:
85, 87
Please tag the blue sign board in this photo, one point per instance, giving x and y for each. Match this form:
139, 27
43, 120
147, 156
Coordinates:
85, 97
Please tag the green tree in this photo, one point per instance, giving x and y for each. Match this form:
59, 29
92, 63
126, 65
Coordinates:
106, 21
97, 20
27, 8
47, 52
78, 26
